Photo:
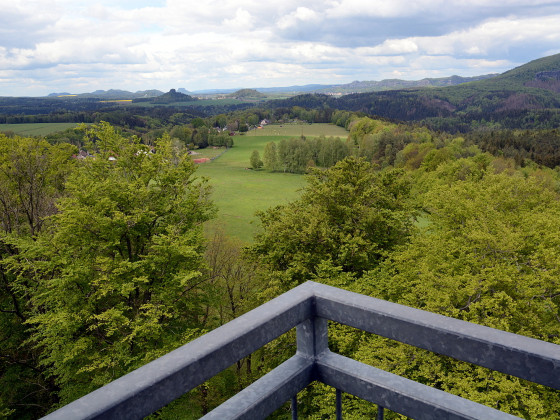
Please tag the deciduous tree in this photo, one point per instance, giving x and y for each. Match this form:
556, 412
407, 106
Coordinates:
256, 162
121, 264
32, 175
348, 217
491, 257
270, 157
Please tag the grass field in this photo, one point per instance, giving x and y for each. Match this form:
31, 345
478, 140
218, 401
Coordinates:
36, 129
292, 130
240, 192
209, 152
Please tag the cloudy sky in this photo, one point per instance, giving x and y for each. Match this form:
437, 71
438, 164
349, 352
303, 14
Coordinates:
80, 46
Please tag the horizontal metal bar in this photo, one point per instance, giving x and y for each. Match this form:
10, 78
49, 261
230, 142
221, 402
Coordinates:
524, 357
267, 394
399, 394
157, 383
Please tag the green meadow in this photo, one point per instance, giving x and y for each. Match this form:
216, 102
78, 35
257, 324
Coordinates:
36, 129
293, 129
239, 192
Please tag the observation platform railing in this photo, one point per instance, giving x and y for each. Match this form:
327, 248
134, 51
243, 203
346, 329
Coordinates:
308, 307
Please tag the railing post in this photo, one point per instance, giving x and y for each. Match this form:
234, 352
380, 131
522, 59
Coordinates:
312, 340
294, 407
312, 337
338, 404
380, 412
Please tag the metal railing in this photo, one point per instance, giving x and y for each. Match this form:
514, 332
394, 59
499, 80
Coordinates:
308, 307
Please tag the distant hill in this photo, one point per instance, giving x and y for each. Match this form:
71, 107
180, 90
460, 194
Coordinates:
152, 93
111, 94
353, 87
168, 98
247, 94
185, 91
395, 84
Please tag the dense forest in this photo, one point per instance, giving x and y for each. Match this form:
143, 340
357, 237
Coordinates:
105, 264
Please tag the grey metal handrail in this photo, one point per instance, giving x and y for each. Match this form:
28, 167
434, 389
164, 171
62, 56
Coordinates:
308, 307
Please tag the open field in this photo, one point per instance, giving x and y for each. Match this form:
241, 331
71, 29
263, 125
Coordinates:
36, 129
293, 130
240, 192
209, 152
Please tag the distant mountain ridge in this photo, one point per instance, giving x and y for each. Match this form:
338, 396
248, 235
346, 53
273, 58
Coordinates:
396, 84
353, 87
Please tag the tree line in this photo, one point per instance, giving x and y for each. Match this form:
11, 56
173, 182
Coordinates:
298, 154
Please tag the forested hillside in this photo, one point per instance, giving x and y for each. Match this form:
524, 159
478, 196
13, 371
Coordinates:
525, 97
397, 84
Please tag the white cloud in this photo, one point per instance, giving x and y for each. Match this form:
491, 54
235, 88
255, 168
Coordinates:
423, 8
301, 14
391, 46
242, 20
147, 44
493, 35
379, 8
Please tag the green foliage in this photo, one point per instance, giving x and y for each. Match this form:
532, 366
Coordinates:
256, 162
362, 126
540, 146
270, 157
183, 133
489, 257
412, 156
32, 175
120, 265
346, 222
329, 150
348, 216
198, 123
341, 118
294, 154
297, 154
